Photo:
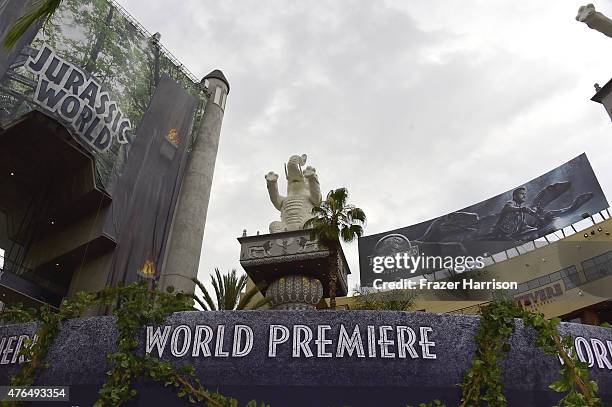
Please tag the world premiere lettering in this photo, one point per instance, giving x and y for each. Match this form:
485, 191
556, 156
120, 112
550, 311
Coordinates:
296, 341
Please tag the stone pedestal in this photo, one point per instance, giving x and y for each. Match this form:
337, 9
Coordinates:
295, 292
292, 268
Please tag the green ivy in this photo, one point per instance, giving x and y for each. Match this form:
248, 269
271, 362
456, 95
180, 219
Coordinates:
134, 306
574, 374
483, 380
36, 352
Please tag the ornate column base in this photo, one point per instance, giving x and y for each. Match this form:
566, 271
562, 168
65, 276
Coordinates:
295, 292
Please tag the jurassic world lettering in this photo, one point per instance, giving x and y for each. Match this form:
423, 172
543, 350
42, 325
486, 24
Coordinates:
78, 98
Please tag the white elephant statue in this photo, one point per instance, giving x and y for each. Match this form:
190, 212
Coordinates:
303, 193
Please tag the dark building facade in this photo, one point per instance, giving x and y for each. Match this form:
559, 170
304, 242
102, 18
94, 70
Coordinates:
97, 120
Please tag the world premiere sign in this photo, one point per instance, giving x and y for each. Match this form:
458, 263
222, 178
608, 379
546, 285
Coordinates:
311, 358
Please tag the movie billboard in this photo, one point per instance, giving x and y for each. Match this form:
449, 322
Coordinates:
94, 69
123, 98
535, 209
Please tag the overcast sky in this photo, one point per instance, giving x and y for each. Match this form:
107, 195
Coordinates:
419, 108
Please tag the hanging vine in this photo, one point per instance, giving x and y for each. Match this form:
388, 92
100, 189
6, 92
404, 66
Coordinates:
138, 305
574, 373
482, 381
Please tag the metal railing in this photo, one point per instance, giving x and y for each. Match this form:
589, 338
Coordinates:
471, 310
147, 34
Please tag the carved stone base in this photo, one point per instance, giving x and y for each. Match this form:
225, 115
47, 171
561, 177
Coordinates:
295, 292
267, 258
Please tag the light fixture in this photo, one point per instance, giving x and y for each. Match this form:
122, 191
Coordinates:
599, 229
12, 174
586, 235
53, 222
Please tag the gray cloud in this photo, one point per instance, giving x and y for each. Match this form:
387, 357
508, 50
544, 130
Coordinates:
419, 108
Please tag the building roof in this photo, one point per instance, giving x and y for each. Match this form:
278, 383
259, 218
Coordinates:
217, 74
603, 92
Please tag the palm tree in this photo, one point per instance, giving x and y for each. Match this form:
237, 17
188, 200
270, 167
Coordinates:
227, 292
333, 220
40, 9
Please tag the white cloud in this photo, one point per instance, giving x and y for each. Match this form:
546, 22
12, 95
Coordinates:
419, 108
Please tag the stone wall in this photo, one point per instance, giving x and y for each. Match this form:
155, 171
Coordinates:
312, 358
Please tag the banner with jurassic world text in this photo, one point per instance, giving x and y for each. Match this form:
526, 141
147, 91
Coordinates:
92, 68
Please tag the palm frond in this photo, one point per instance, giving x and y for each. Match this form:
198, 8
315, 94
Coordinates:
198, 300
242, 282
41, 9
233, 285
207, 297
261, 303
319, 210
217, 283
230, 290
220, 280
337, 198
357, 230
315, 223
358, 214
227, 288
351, 232
209, 301
247, 297
309, 223
347, 234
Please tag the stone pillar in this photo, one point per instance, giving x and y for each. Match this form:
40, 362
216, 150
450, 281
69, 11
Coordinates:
185, 242
293, 267
295, 292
